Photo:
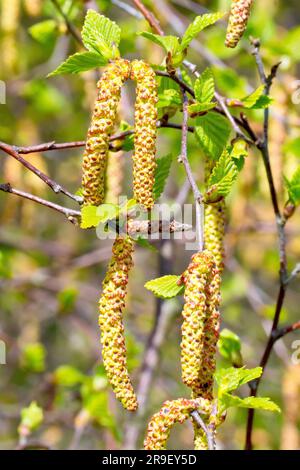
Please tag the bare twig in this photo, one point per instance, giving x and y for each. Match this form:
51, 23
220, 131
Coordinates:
200, 423
71, 214
263, 146
153, 22
72, 30
57, 188
184, 159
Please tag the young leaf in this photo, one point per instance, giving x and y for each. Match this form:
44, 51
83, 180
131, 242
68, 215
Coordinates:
44, 32
212, 131
200, 108
31, 418
168, 43
205, 87
161, 174
100, 34
293, 187
169, 98
91, 216
165, 287
257, 99
223, 176
79, 62
199, 23
144, 243
68, 376
263, 403
229, 345
230, 379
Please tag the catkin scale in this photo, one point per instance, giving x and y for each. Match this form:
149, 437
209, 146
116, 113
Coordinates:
195, 278
102, 125
111, 306
172, 412
238, 19
144, 162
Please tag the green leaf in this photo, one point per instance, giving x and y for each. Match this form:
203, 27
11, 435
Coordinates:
212, 131
231, 378
205, 87
257, 99
199, 23
169, 98
229, 345
68, 376
144, 243
44, 32
222, 177
293, 187
161, 174
200, 108
169, 43
79, 62
165, 287
33, 357
262, 403
101, 35
31, 418
91, 216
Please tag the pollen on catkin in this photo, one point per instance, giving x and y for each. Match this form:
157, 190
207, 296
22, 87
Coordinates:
238, 19
111, 306
214, 231
102, 125
172, 412
196, 279
144, 162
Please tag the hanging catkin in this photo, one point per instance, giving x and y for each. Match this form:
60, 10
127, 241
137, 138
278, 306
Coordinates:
102, 125
238, 19
111, 306
196, 279
172, 412
144, 163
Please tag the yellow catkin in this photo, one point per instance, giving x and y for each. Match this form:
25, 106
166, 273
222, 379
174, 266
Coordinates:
111, 306
238, 19
196, 278
210, 335
114, 177
172, 412
102, 125
214, 231
144, 162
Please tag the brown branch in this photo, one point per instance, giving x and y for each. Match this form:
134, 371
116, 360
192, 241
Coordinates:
153, 22
71, 214
72, 30
263, 146
57, 188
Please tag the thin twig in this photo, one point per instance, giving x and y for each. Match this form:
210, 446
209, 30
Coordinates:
153, 22
72, 30
184, 159
71, 214
200, 423
57, 188
263, 146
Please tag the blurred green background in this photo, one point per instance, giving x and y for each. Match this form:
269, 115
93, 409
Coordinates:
51, 271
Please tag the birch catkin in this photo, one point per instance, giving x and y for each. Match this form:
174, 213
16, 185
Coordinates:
144, 163
102, 125
172, 412
196, 278
111, 306
238, 19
